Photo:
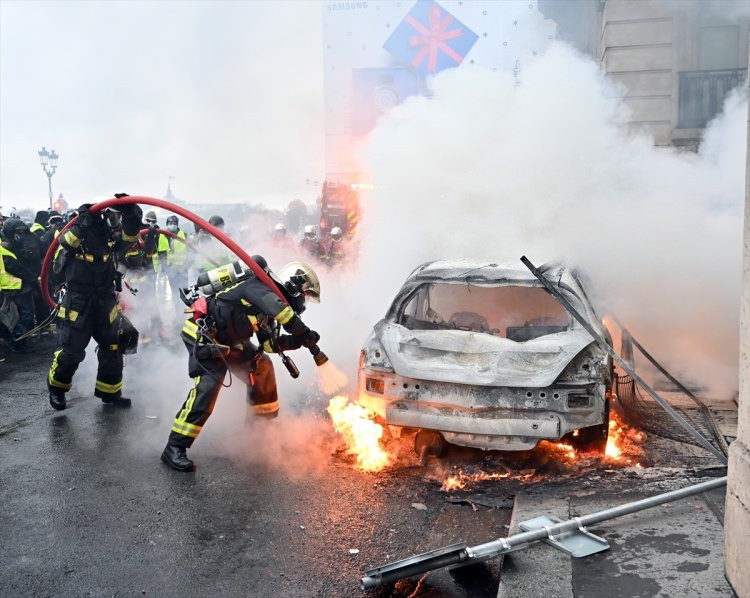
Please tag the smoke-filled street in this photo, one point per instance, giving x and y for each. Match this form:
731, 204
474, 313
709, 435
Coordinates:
281, 508
374, 298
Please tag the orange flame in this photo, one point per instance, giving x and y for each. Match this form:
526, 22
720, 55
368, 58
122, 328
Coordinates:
462, 479
624, 444
361, 434
330, 378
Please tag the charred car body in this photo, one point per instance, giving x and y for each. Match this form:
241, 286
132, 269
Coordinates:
482, 355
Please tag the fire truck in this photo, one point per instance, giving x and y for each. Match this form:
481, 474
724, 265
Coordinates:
339, 206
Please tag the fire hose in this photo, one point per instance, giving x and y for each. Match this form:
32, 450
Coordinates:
318, 355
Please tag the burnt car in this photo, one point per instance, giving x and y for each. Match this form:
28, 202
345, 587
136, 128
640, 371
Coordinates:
482, 355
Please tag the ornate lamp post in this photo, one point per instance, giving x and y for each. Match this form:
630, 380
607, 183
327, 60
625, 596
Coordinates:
49, 165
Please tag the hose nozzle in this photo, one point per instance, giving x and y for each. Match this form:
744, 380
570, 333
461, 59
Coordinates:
318, 356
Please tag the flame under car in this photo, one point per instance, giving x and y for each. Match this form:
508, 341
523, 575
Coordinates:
484, 356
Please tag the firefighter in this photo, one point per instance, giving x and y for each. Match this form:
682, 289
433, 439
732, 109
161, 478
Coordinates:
334, 251
18, 279
137, 266
309, 243
90, 307
217, 337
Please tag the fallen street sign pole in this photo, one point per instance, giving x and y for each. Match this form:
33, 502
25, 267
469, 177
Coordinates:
460, 554
624, 364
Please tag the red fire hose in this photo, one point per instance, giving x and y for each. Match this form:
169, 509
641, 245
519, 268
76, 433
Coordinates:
159, 203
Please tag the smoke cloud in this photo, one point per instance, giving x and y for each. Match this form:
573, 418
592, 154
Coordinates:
547, 169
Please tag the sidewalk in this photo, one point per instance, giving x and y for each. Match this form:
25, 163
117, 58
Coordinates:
676, 549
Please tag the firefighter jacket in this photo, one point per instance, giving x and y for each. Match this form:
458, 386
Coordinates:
247, 308
91, 248
38, 229
50, 235
138, 256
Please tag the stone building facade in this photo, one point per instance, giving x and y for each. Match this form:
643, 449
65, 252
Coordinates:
674, 60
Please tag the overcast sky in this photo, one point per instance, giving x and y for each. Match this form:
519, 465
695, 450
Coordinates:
226, 97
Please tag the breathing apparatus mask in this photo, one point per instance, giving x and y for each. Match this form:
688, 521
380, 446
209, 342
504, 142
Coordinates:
113, 218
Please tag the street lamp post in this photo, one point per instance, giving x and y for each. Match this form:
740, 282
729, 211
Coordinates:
48, 160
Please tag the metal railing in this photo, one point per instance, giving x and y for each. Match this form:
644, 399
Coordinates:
702, 95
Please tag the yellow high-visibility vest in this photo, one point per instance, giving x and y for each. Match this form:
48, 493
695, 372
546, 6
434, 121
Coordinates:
178, 253
8, 282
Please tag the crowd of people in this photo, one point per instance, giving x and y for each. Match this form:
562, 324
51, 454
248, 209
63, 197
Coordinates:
105, 255
176, 253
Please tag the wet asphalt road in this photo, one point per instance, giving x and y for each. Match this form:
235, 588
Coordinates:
275, 507
89, 510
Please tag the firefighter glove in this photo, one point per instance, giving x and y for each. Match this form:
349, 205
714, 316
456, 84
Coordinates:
310, 339
85, 218
131, 218
288, 342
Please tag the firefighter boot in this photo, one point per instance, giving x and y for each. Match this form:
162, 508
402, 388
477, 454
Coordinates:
118, 402
176, 458
57, 400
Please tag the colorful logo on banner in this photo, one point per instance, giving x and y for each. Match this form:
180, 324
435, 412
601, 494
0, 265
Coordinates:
430, 39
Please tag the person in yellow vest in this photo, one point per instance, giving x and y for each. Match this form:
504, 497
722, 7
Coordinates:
177, 261
8, 310
18, 280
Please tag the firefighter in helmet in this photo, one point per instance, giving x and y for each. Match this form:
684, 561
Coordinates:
334, 251
309, 241
218, 337
90, 307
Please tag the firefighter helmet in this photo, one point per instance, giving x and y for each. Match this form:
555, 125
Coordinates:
55, 217
172, 219
279, 230
300, 279
310, 232
336, 234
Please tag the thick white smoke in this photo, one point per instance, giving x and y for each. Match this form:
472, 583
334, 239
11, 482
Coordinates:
489, 170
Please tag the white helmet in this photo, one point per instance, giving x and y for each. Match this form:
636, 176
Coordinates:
310, 232
298, 278
279, 229
337, 234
